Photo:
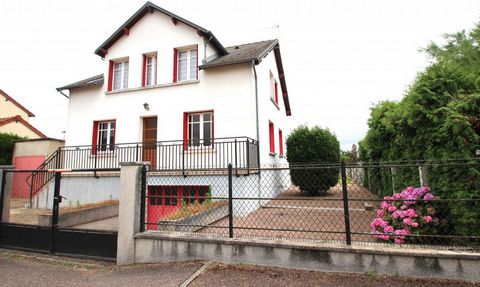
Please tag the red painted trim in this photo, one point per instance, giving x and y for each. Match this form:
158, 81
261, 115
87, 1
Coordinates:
276, 93
110, 76
175, 57
280, 142
144, 71
185, 131
272, 137
95, 137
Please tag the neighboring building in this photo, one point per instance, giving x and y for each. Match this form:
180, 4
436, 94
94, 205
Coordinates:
14, 118
173, 95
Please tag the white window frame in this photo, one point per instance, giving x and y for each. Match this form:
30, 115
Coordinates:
201, 140
109, 146
123, 70
189, 64
153, 66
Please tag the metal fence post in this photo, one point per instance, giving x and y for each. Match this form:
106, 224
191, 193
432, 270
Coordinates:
2, 193
346, 212
230, 202
55, 209
143, 197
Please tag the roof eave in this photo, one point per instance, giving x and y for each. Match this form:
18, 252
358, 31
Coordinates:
150, 7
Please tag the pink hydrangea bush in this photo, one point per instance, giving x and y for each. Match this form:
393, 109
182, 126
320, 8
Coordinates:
406, 213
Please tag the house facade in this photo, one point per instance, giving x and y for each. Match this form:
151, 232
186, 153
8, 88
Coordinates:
172, 94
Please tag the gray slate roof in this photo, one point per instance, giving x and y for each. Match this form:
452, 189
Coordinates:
244, 53
90, 82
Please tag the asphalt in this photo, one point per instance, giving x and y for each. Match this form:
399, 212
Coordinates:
31, 269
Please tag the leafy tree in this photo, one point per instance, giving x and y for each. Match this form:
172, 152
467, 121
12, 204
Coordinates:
438, 118
313, 146
6, 147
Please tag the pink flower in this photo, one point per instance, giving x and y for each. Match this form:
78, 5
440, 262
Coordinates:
427, 219
411, 213
407, 221
399, 240
415, 224
428, 197
388, 229
384, 205
396, 196
380, 213
392, 208
403, 207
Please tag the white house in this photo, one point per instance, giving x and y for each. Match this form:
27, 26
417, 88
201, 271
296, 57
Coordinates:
172, 94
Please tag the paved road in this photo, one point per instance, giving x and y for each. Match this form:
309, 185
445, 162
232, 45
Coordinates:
28, 269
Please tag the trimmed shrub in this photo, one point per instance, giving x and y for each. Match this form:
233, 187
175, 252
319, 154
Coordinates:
6, 147
310, 146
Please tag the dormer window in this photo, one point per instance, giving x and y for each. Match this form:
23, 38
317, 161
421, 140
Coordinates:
186, 65
149, 70
118, 75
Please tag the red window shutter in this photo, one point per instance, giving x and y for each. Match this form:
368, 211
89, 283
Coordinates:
276, 93
144, 71
94, 137
110, 76
185, 131
272, 138
175, 64
280, 142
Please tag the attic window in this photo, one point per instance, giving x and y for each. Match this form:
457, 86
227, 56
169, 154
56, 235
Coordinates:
186, 65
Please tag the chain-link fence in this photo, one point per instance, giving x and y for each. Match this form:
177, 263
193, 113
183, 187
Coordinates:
416, 204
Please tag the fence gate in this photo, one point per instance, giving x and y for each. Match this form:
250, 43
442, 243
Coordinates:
70, 213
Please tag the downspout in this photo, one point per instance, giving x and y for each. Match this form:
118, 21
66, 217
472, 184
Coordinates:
259, 181
61, 92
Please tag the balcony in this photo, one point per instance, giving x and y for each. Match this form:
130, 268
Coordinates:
172, 156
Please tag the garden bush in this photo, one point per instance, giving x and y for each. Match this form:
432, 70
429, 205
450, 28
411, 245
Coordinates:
313, 146
6, 147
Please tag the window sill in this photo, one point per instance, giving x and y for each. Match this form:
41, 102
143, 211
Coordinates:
152, 87
275, 104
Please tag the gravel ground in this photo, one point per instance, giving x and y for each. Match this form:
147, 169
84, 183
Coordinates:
29, 269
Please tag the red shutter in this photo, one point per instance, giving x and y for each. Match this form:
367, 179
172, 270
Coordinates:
144, 71
175, 55
185, 131
272, 137
280, 142
276, 93
110, 76
94, 137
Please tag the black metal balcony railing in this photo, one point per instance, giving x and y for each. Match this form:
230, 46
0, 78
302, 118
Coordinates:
174, 156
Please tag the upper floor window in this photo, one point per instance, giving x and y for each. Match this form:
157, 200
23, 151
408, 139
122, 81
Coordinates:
186, 65
118, 75
273, 89
149, 77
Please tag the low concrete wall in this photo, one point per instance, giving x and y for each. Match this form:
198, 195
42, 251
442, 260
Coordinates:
150, 247
202, 218
77, 217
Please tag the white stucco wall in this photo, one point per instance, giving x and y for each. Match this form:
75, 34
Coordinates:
268, 111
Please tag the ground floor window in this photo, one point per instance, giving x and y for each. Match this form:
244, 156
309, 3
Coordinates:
103, 135
199, 129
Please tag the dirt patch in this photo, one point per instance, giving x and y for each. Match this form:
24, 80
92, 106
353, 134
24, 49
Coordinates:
249, 275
